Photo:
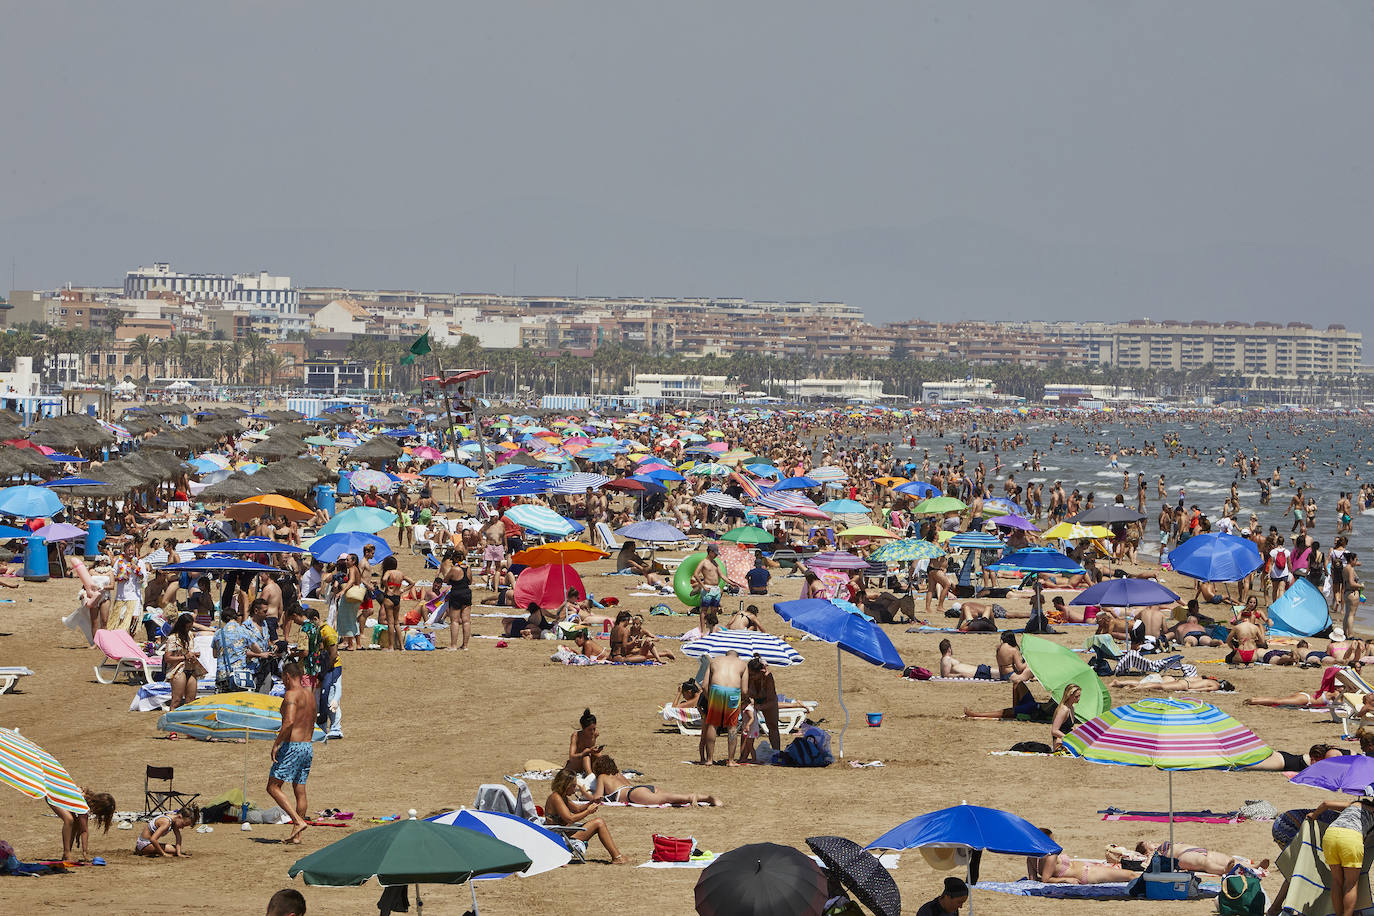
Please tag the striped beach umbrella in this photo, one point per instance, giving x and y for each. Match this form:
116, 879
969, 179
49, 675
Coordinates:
228, 717
719, 500
907, 550
747, 643
837, 559
36, 773
1167, 734
542, 519
976, 540
827, 474
579, 482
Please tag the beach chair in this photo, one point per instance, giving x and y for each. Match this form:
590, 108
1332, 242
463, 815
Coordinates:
606, 535
123, 657
163, 801
688, 721
1351, 689
520, 803
10, 676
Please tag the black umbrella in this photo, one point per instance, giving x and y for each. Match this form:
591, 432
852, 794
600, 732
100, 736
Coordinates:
1106, 515
860, 872
762, 879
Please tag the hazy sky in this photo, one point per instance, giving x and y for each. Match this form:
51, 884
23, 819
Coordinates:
919, 159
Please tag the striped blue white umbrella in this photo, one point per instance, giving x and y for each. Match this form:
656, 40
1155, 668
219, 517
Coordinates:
544, 847
719, 500
976, 540
542, 520
747, 643
827, 474
578, 483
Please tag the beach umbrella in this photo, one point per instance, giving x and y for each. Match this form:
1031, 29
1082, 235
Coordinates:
545, 848
269, 504
662, 475
918, 489
1216, 557
1351, 774
450, 470
217, 461
74, 482
907, 550
547, 586
719, 500
366, 479
1300, 611
569, 552
837, 559
245, 545
1064, 531
939, 505
219, 564
843, 624
1015, 521
747, 643
542, 520
1125, 593
795, 483
1000, 505
578, 483
60, 531
762, 879
1057, 667
226, 716
975, 540
366, 519
34, 772
747, 534
1039, 560
844, 507
330, 547
763, 470
1167, 734
29, 502
410, 852
866, 531
973, 828
653, 532
827, 474
1107, 515
859, 872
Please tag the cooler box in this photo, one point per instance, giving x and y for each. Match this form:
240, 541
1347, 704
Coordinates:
1169, 885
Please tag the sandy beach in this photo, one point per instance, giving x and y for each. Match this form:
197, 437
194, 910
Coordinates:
423, 730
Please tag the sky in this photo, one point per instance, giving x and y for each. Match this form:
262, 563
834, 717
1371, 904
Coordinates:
935, 160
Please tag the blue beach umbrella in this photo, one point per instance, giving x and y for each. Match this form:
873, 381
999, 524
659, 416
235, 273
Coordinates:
74, 482
918, 489
246, 545
330, 547
795, 483
843, 624
29, 502
1125, 593
449, 470
661, 475
366, 519
1216, 557
219, 564
544, 847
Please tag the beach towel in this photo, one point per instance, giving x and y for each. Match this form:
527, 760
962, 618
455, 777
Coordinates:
700, 862
1205, 816
1302, 861
1116, 891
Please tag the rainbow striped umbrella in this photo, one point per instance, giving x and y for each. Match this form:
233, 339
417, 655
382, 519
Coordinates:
1167, 734
36, 773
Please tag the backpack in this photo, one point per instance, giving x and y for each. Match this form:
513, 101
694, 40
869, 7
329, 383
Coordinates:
1316, 570
1338, 569
809, 749
917, 673
1281, 560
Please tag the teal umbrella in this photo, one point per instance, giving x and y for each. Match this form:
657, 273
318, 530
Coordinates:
907, 550
410, 852
366, 519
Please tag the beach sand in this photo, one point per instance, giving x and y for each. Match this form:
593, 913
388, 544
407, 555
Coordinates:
423, 730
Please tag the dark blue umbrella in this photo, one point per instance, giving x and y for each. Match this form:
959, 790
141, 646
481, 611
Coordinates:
246, 545
1216, 557
843, 624
972, 827
1125, 593
795, 483
650, 485
74, 482
403, 433
661, 474
525, 486
329, 548
66, 459
219, 564
918, 489
1039, 560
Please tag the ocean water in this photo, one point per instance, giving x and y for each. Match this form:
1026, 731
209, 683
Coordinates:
1336, 452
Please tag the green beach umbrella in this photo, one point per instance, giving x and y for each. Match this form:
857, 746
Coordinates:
322, 441
1057, 667
939, 505
410, 852
907, 550
747, 534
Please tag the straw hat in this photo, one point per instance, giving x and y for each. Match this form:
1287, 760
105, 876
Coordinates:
945, 858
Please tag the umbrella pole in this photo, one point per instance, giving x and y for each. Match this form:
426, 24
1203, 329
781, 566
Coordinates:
243, 812
419, 904
1171, 815
472, 887
839, 677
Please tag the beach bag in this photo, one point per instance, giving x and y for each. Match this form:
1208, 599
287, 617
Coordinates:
917, 673
1241, 895
809, 749
419, 642
355, 593
672, 849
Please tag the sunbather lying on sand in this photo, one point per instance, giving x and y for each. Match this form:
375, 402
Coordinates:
1284, 762
1329, 688
1059, 868
612, 786
1194, 858
1170, 684
1022, 704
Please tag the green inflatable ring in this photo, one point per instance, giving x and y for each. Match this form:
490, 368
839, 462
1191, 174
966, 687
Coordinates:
682, 579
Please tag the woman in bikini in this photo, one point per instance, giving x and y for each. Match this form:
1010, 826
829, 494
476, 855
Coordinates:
582, 746
641, 643
1168, 683
1062, 723
180, 661
76, 828
1196, 858
458, 604
612, 786
1327, 689
392, 585
150, 839
1058, 868
563, 810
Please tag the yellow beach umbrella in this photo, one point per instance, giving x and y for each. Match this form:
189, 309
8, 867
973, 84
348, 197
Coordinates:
866, 531
1064, 531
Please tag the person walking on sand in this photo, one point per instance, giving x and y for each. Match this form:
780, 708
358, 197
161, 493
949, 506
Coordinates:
726, 681
292, 752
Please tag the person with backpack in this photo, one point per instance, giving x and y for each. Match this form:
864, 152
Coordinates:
1280, 576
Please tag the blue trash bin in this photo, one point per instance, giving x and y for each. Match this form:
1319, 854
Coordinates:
35, 559
324, 498
345, 485
95, 533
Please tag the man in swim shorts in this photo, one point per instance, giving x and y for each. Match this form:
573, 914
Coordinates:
707, 578
725, 682
292, 752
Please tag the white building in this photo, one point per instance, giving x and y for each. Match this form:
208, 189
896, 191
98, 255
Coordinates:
245, 291
343, 316
967, 389
655, 387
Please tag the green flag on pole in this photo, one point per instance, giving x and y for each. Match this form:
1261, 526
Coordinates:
419, 348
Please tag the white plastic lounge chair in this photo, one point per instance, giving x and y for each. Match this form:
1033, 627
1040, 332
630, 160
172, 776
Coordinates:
1351, 691
688, 721
10, 676
606, 536
127, 658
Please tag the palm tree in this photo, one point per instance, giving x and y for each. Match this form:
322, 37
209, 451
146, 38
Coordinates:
238, 350
256, 346
180, 346
218, 354
142, 349
272, 363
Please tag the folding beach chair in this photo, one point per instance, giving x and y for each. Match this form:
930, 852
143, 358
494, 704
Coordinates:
10, 676
163, 801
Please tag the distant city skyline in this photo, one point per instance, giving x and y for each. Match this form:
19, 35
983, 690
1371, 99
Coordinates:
982, 160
